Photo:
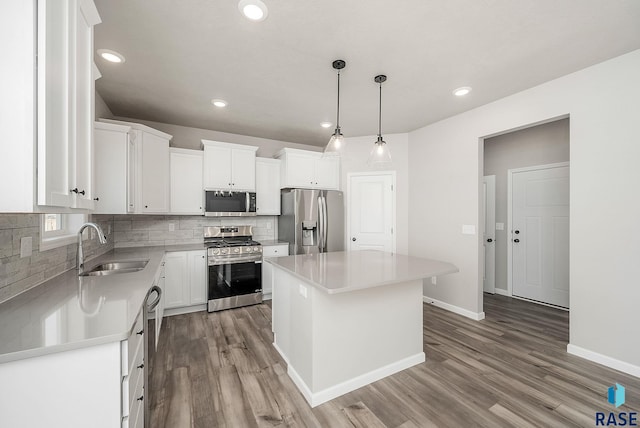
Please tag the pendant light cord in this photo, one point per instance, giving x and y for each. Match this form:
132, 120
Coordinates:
380, 114
338, 110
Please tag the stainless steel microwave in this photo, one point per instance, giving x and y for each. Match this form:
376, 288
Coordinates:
219, 203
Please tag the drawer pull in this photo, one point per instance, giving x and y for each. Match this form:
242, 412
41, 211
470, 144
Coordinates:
141, 366
140, 398
140, 332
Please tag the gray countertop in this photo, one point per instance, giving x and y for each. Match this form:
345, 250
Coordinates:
69, 312
346, 271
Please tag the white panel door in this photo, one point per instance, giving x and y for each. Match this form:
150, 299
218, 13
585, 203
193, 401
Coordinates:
489, 235
197, 277
540, 234
371, 212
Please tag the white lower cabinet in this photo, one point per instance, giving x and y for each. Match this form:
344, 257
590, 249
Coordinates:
185, 281
277, 250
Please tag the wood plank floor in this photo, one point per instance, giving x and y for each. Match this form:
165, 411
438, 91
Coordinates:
510, 369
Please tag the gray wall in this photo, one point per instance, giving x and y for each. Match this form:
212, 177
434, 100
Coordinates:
102, 110
189, 138
20, 274
538, 145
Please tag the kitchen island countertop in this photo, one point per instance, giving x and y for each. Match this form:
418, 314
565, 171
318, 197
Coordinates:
346, 271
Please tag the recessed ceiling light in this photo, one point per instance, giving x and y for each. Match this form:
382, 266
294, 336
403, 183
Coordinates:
218, 102
254, 10
326, 124
461, 92
111, 56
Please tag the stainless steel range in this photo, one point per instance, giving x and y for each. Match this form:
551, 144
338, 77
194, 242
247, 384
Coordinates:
235, 267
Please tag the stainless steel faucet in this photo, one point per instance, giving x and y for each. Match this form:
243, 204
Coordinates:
80, 255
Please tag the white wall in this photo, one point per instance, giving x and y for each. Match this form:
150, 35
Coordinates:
354, 159
538, 145
189, 138
445, 169
102, 110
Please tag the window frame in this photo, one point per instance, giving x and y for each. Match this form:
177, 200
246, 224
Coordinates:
70, 223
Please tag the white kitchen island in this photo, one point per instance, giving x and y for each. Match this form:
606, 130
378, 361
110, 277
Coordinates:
342, 320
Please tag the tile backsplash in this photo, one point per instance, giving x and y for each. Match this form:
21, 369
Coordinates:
151, 230
18, 274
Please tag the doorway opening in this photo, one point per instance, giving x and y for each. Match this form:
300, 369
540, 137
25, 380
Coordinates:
526, 228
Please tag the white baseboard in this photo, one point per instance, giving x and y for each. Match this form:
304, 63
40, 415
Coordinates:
610, 362
502, 292
315, 399
477, 316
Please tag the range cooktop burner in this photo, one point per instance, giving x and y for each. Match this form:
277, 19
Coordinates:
221, 243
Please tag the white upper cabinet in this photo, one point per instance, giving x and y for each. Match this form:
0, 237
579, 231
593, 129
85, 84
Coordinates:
146, 167
47, 87
65, 102
229, 166
114, 151
186, 181
267, 186
310, 170
154, 174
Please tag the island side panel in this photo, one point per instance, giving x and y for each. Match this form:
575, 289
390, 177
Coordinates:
365, 335
293, 322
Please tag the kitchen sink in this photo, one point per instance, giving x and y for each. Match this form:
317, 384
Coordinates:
112, 268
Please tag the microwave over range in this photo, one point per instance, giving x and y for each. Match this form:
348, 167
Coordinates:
220, 203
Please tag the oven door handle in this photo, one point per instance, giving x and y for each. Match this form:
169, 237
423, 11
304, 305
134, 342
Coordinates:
233, 262
247, 201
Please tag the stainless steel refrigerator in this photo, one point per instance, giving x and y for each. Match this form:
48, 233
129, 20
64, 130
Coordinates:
311, 221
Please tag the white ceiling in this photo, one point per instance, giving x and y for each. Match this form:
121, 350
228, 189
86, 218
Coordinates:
277, 74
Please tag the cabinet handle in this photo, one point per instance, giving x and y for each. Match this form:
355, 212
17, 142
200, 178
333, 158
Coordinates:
141, 366
82, 192
146, 206
140, 332
140, 398
229, 184
96, 199
74, 190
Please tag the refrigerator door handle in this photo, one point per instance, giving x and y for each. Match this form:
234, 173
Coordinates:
325, 224
320, 224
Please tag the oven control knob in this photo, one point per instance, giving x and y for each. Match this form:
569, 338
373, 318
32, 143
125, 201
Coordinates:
256, 249
248, 249
236, 250
223, 251
216, 252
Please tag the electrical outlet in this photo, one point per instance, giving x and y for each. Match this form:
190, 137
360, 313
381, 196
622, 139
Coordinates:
172, 227
269, 226
499, 226
468, 229
434, 280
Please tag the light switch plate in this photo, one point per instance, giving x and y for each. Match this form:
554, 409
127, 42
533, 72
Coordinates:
499, 226
26, 246
434, 280
303, 291
468, 229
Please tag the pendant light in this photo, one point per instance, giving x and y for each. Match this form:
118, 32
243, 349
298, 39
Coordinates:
380, 156
336, 143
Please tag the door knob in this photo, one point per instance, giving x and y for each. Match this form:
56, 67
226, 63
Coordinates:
516, 232
489, 240
516, 240
353, 239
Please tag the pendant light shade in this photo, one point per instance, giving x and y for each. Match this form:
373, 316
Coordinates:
336, 142
380, 156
